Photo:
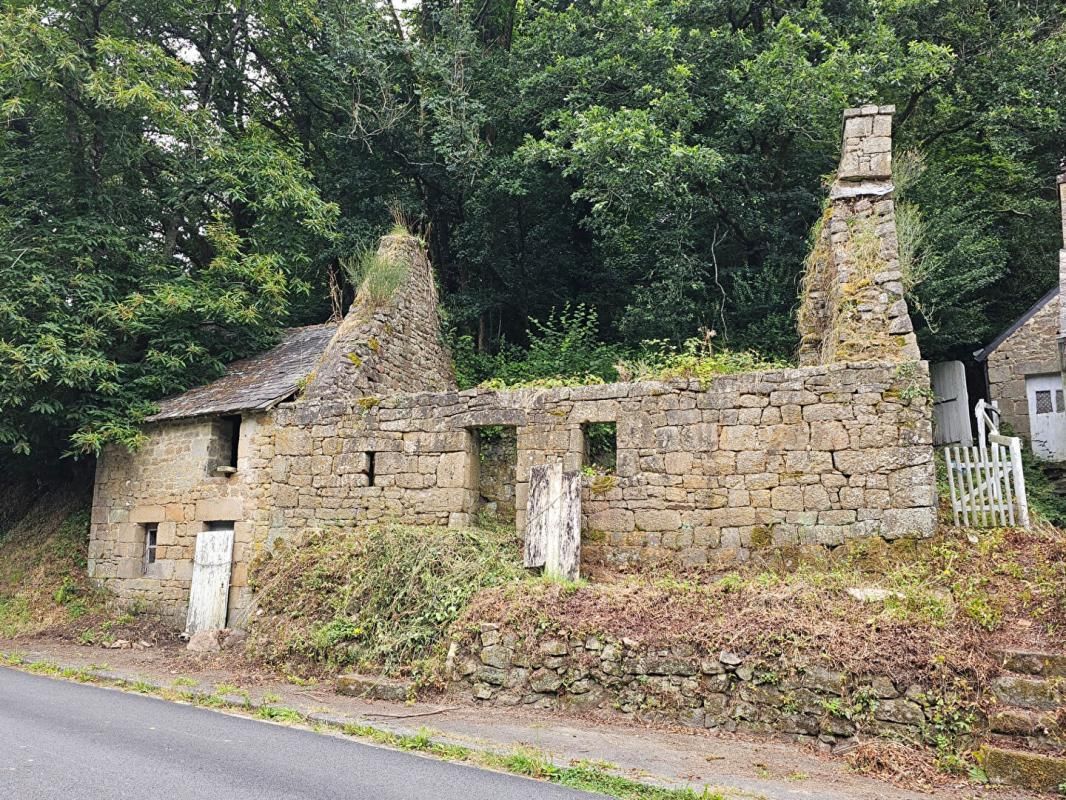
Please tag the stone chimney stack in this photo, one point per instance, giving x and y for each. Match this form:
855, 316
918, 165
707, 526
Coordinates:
867, 150
852, 306
1062, 275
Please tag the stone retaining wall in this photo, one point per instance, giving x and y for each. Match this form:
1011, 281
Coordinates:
723, 690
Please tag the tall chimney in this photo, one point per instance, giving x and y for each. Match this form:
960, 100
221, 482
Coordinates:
852, 305
1062, 276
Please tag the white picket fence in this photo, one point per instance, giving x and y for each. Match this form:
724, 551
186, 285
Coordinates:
986, 480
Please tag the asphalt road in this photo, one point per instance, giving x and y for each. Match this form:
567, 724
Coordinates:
75, 742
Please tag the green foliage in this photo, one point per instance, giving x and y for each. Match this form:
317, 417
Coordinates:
564, 349
659, 161
696, 358
152, 232
376, 598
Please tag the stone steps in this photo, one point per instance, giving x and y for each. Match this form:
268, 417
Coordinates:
1027, 747
1027, 769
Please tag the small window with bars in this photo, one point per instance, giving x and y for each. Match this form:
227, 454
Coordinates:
1043, 402
1059, 406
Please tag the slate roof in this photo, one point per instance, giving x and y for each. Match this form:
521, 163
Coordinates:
254, 383
988, 349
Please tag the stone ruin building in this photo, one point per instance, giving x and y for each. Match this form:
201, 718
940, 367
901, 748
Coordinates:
342, 425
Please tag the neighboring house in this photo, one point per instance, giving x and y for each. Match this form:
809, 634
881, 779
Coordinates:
350, 425
1024, 369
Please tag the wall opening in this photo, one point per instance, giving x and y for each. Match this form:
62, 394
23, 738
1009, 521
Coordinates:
497, 461
369, 468
219, 525
151, 539
229, 442
601, 446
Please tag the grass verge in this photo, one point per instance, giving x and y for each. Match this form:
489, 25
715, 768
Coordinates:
526, 762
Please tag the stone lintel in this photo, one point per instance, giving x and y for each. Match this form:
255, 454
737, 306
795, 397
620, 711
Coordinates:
840, 190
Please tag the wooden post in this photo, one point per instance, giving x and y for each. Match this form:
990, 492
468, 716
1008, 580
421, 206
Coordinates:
951, 483
1019, 481
538, 508
979, 412
567, 563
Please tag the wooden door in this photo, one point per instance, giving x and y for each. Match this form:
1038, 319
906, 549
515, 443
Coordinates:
951, 404
209, 594
1047, 416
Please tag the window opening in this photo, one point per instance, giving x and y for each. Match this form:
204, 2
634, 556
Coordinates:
601, 445
151, 538
1043, 402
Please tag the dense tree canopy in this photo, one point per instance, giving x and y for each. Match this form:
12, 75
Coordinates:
180, 180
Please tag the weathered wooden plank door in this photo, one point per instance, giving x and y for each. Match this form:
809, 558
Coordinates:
209, 594
951, 406
553, 521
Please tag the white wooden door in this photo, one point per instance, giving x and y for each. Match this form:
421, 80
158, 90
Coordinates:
209, 595
951, 406
1047, 416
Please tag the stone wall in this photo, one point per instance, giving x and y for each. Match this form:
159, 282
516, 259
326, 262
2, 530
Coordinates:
853, 297
1030, 350
171, 481
704, 473
723, 690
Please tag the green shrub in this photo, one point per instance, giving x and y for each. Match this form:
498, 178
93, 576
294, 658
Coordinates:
378, 598
696, 358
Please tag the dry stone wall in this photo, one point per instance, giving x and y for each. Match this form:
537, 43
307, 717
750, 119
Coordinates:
704, 473
722, 690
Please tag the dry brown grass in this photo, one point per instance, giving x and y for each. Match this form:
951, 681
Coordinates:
956, 605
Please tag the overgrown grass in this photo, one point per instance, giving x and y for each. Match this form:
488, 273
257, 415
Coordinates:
696, 359
951, 604
379, 598
566, 350
377, 273
43, 556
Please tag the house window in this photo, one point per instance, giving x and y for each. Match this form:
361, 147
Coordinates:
1058, 401
229, 445
601, 445
369, 468
151, 537
1043, 402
